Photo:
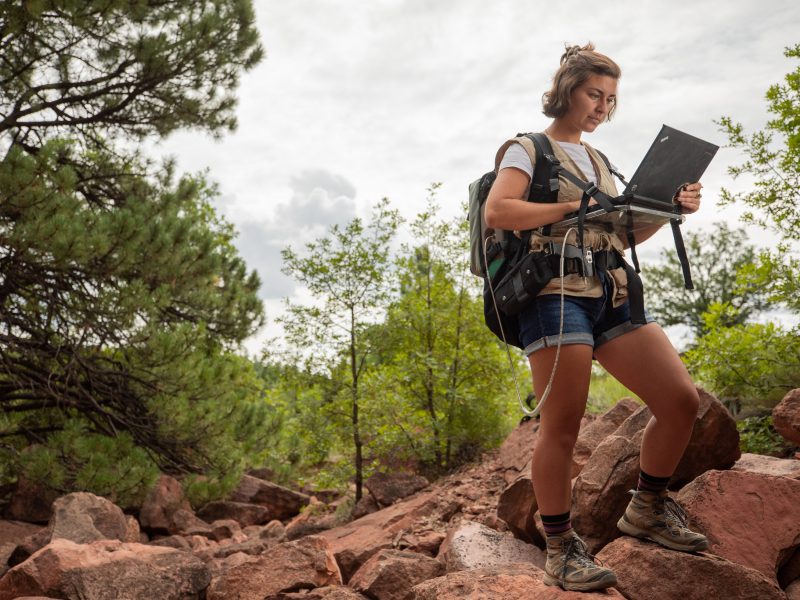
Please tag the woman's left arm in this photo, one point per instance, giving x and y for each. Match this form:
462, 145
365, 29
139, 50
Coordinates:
689, 199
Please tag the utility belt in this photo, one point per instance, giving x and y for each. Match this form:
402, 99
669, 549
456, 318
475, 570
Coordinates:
523, 282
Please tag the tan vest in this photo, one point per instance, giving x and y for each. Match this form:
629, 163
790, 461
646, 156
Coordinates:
597, 236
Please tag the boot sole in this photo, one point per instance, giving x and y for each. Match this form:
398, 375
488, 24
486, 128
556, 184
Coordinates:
588, 586
631, 529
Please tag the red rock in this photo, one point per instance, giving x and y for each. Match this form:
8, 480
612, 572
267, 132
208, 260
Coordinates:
511, 582
307, 523
517, 507
516, 451
749, 518
282, 503
6, 550
185, 522
305, 563
786, 417
220, 566
165, 497
714, 443
106, 570
132, 532
595, 432
424, 542
13, 532
365, 506
28, 546
225, 529
82, 517
31, 502
793, 590
178, 542
599, 493
358, 540
474, 546
388, 488
646, 571
789, 569
332, 592
243, 513
768, 465
390, 574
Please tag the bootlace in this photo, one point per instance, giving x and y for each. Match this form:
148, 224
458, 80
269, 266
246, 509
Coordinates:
675, 511
579, 551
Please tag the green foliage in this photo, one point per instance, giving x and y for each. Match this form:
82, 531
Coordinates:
773, 160
751, 365
758, 436
443, 384
97, 68
715, 257
348, 273
123, 298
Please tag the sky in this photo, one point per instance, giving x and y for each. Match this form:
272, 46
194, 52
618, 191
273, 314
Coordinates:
354, 104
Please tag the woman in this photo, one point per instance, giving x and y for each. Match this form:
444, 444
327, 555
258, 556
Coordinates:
596, 323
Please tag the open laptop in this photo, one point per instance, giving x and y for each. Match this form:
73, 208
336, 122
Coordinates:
674, 159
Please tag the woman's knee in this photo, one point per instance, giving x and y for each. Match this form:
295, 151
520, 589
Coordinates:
562, 441
682, 404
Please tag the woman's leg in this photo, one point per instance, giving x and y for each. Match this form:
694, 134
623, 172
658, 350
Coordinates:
560, 420
645, 362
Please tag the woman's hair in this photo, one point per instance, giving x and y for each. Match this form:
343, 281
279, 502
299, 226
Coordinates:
577, 65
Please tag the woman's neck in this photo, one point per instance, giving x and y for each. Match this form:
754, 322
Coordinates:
562, 132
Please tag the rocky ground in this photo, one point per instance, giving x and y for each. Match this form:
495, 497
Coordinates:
474, 534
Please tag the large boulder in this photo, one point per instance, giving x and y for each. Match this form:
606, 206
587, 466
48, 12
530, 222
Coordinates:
354, 543
599, 493
595, 432
281, 502
516, 581
474, 546
749, 518
83, 517
287, 567
646, 571
162, 501
786, 417
390, 574
331, 592
768, 465
517, 506
244, 513
31, 502
516, 451
106, 570
388, 488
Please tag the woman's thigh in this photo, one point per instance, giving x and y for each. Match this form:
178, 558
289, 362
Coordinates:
645, 362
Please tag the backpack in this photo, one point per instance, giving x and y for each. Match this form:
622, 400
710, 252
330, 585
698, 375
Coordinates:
495, 253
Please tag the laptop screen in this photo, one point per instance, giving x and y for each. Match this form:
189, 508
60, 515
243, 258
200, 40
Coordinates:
674, 158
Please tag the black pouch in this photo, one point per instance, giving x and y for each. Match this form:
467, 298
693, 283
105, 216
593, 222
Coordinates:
523, 281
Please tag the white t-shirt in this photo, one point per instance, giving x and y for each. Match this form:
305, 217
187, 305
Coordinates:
516, 156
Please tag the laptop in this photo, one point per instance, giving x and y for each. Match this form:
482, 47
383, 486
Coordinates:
674, 159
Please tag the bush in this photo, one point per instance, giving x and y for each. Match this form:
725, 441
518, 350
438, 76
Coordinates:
758, 436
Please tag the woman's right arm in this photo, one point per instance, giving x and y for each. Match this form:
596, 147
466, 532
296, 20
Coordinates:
507, 209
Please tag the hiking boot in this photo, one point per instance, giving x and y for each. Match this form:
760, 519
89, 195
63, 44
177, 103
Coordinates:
657, 517
570, 566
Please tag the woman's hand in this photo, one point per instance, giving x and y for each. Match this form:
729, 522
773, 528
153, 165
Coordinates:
689, 197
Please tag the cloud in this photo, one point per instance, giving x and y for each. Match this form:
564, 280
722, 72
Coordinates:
319, 199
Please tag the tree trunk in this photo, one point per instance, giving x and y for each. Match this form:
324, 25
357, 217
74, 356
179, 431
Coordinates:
359, 466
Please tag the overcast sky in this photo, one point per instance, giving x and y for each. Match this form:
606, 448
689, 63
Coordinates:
351, 105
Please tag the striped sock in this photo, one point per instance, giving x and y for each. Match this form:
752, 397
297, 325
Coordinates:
650, 483
556, 524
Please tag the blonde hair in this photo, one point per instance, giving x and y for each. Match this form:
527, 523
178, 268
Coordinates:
577, 65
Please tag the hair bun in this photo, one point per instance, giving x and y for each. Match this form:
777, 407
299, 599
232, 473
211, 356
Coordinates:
574, 51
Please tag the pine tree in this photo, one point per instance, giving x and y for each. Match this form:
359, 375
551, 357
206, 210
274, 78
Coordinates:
122, 299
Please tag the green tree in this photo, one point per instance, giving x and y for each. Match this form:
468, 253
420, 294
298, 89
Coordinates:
122, 297
715, 257
348, 273
773, 160
444, 379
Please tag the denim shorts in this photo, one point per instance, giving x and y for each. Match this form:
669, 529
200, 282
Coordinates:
586, 320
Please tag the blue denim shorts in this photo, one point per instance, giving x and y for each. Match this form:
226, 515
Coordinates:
586, 320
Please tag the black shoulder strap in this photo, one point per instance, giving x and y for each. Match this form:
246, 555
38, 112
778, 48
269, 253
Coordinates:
544, 184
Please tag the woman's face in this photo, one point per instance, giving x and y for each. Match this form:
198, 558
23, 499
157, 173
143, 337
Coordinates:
590, 102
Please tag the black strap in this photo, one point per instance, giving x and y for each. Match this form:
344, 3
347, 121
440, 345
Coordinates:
681, 250
544, 185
